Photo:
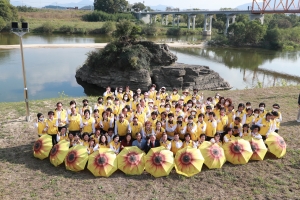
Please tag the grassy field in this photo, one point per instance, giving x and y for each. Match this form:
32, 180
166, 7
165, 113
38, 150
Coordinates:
24, 177
59, 18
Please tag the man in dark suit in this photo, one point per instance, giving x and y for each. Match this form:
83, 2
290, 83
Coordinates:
151, 143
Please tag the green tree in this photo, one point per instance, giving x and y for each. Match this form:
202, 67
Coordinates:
127, 29
2, 23
110, 6
138, 6
7, 11
236, 33
254, 32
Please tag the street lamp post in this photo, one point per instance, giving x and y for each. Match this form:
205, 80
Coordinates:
20, 32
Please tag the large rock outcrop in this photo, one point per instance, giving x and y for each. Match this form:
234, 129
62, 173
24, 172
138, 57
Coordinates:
178, 75
184, 76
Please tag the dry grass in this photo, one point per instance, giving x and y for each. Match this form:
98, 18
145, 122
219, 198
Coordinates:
24, 177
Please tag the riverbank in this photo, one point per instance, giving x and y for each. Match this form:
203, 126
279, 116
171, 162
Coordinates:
93, 45
45, 181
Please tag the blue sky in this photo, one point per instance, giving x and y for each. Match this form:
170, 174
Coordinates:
202, 4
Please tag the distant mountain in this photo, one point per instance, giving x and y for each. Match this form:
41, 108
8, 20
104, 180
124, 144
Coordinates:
55, 7
159, 7
79, 4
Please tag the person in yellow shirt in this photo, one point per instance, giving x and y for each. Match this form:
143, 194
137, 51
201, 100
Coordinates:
139, 114
176, 143
196, 95
85, 139
85, 106
88, 123
240, 111
191, 128
115, 145
107, 93
165, 142
246, 132
248, 117
152, 92
40, 125
277, 116
201, 125
228, 102
228, 135
163, 93
135, 127
60, 114
222, 122
52, 126
153, 119
186, 95
99, 105
106, 122
62, 135
200, 140
262, 110
77, 140
96, 118
128, 92
121, 127
126, 100
175, 96
187, 141
266, 126
211, 126
158, 131
96, 136
171, 126
117, 107
237, 123
74, 121
230, 113
103, 143
217, 139
181, 127
93, 146
119, 92
178, 111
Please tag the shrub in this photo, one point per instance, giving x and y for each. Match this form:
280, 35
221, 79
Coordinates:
108, 27
100, 16
48, 27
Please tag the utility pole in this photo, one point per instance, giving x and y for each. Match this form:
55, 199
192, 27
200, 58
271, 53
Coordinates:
20, 32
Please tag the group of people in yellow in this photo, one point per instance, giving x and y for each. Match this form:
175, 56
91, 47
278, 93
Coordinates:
156, 118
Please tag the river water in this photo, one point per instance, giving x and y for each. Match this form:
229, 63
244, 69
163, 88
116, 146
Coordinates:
51, 71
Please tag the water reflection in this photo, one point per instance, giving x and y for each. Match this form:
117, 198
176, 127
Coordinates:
256, 67
48, 72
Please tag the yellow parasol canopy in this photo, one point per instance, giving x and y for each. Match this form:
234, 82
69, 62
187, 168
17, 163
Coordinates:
238, 151
76, 158
188, 161
276, 145
131, 161
159, 161
103, 162
214, 156
42, 147
259, 149
59, 152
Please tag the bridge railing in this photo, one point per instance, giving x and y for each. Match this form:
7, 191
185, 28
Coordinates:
275, 6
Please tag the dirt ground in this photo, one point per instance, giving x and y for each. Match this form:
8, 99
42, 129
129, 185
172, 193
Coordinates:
24, 177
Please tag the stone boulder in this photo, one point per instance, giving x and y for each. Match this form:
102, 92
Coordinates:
182, 76
178, 75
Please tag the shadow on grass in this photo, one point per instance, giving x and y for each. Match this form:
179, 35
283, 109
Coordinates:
290, 123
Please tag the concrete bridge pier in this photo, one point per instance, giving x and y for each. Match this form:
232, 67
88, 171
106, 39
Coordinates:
153, 18
189, 21
207, 30
261, 17
228, 22
176, 17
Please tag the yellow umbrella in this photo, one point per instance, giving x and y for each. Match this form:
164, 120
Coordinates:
188, 161
130, 161
238, 151
76, 158
42, 147
214, 156
276, 145
259, 149
159, 161
59, 152
103, 162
